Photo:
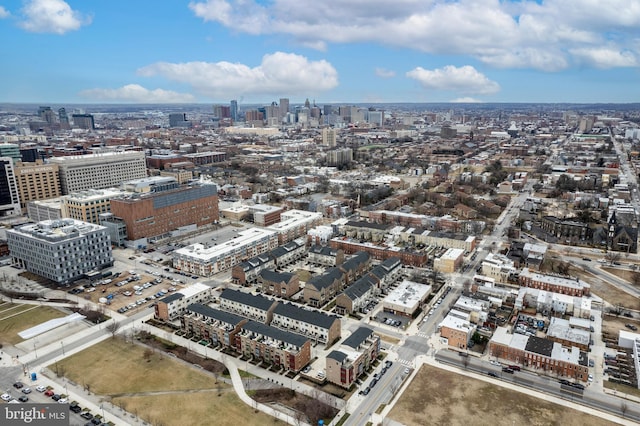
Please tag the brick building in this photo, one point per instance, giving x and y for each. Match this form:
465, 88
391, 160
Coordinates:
281, 284
353, 357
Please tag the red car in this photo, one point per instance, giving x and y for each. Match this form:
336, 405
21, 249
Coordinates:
49, 392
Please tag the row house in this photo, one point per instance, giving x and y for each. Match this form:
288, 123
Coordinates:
281, 284
365, 230
174, 305
355, 266
316, 325
553, 283
566, 229
213, 325
353, 358
355, 297
248, 271
325, 255
289, 351
380, 252
322, 288
257, 307
539, 354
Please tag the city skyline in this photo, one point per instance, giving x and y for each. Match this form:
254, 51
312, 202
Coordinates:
212, 51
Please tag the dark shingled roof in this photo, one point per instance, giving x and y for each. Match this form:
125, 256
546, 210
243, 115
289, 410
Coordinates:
326, 279
273, 276
360, 287
323, 250
337, 355
312, 317
358, 259
275, 333
391, 263
215, 314
358, 337
283, 250
170, 298
246, 299
539, 345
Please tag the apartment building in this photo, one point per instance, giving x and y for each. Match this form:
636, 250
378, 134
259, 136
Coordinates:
175, 304
499, 267
556, 284
209, 260
36, 181
353, 357
316, 325
539, 354
60, 250
438, 239
39, 210
295, 224
101, 170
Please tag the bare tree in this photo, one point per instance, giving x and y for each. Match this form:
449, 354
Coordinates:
113, 327
612, 257
147, 354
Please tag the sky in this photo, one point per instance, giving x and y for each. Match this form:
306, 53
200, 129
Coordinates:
330, 51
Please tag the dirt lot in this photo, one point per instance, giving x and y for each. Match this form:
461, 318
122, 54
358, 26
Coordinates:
613, 324
607, 291
152, 386
439, 397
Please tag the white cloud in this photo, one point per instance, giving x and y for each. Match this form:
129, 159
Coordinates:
522, 34
4, 13
51, 16
465, 80
278, 73
605, 57
465, 100
137, 94
384, 73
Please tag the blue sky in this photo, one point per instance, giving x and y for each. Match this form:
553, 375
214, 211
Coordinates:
333, 51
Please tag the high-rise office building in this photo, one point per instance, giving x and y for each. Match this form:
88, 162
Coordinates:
222, 111
63, 118
60, 250
9, 195
84, 121
102, 170
36, 181
46, 114
234, 110
284, 107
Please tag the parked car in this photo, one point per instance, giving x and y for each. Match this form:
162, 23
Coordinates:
41, 388
5, 397
49, 393
86, 415
26, 391
18, 385
23, 398
75, 408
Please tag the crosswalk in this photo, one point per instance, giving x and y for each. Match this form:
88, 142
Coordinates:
425, 335
406, 362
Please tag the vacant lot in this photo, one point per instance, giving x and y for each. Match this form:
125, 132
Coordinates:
613, 324
607, 291
153, 386
16, 317
439, 397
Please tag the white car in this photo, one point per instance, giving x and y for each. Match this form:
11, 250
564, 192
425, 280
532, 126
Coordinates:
63, 401
590, 378
6, 397
494, 363
41, 388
